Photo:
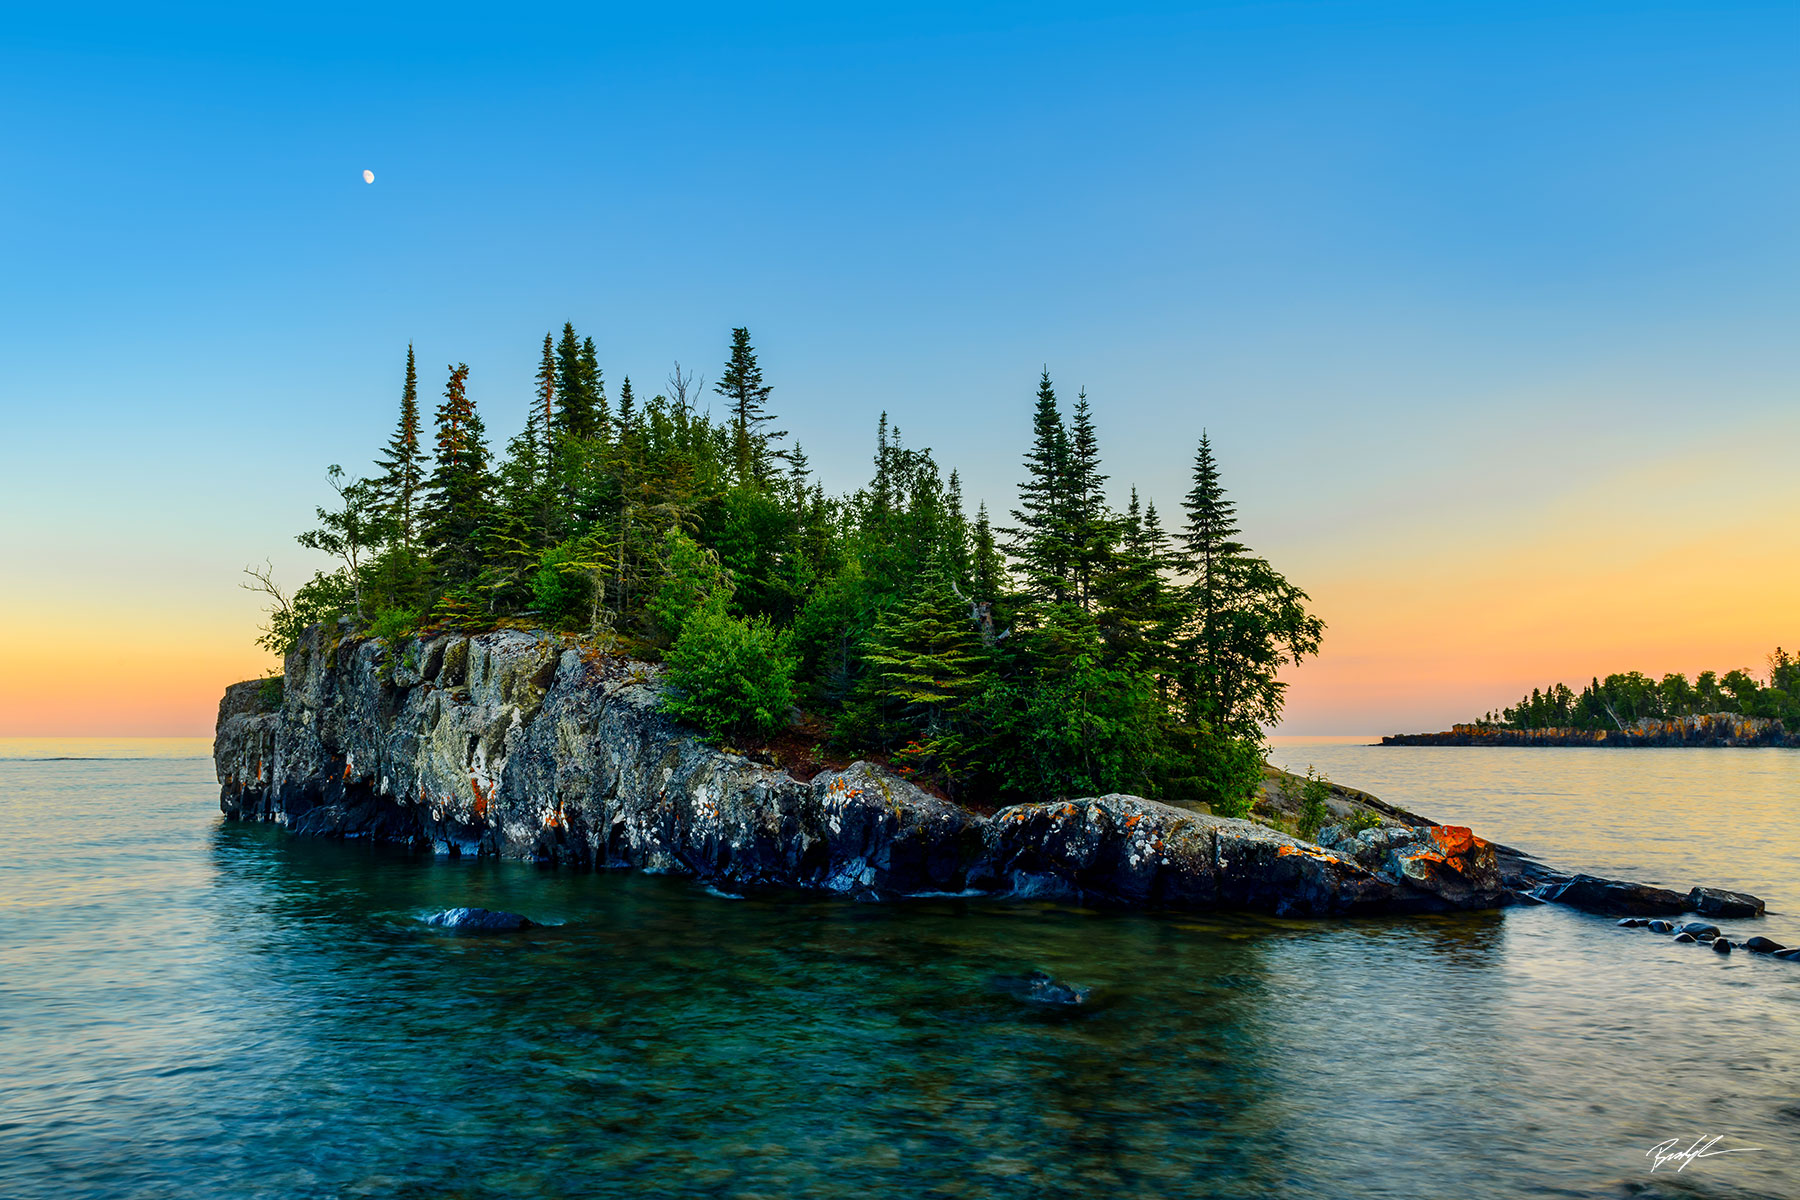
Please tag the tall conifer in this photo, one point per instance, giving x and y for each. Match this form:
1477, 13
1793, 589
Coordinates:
742, 385
404, 466
457, 495
1039, 539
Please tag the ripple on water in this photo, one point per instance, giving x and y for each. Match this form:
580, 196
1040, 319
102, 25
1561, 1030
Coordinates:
200, 1010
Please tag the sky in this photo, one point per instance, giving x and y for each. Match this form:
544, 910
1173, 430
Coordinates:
1488, 309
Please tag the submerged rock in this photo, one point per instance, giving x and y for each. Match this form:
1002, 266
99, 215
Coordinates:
1631, 922
1686, 937
479, 920
1763, 945
1039, 988
1787, 955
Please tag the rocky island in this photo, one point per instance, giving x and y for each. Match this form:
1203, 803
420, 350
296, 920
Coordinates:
536, 746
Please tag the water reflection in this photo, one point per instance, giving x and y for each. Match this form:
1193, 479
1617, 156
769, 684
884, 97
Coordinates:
204, 1010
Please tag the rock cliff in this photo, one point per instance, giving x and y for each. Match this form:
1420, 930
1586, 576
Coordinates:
529, 746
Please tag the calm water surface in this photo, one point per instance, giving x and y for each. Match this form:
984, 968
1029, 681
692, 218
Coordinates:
194, 1009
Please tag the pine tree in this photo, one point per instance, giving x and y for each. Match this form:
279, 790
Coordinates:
1040, 539
742, 384
404, 467
987, 569
457, 495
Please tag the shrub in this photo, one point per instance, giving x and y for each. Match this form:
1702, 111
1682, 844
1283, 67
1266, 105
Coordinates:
1314, 811
1230, 771
1363, 819
392, 625
731, 678
561, 588
693, 581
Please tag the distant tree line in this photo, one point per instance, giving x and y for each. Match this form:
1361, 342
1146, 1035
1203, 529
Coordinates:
1075, 650
1620, 700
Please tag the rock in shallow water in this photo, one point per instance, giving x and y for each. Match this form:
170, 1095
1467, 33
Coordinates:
1701, 931
1717, 902
1660, 927
1613, 897
479, 920
1721, 945
1631, 922
1039, 988
1686, 938
1763, 945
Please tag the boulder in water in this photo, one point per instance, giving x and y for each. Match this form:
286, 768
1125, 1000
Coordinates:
1701, 930
1787, 955
1660, 927
1763, 945
1717, 902
1613, 897
479, 920
1722, 945
1631, 922
1686, 937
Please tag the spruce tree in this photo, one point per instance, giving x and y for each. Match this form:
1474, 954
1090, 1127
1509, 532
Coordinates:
576, 412
1089, 530
742, 385
402, 470
546, 398
593, 386
457, 495
1040, 539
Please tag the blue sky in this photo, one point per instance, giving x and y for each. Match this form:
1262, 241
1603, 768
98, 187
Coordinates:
1418, 268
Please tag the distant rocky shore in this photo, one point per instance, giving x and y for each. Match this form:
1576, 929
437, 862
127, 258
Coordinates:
1711, 729
534, 746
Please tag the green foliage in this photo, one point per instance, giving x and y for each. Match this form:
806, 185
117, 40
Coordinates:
325, 597
693, 582
730, 677
561, 589
1623, 699
393, 625
1230, 773
1363, 820
1094, 653
1314, 811
269, 694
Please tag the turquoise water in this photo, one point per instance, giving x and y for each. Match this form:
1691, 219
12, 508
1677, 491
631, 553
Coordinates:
189, 1008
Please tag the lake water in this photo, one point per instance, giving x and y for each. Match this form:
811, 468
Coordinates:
195, 1009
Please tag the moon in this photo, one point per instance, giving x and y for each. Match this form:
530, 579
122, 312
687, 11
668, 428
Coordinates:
368, 177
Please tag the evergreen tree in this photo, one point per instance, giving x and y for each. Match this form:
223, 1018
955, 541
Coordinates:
1244, 620
457, 495
627, 403
742, 385
1089, 530
546, 399
1040, 539
402, 470
593, 386
576, 414
925, 663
